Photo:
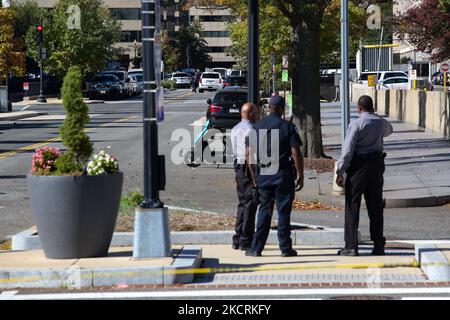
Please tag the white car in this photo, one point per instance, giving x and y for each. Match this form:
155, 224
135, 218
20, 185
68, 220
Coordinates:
210, 81
383, 75
223, 71
181, 79
397, 83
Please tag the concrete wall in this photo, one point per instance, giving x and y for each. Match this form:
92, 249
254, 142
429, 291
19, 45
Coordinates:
426, 109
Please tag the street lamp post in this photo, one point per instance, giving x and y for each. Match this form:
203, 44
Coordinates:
151, 231
253, 51
345, 96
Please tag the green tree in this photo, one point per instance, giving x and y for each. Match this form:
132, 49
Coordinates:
189, 41
79, 146
171, 54
88, 47
426, 26
26, 16
12, 59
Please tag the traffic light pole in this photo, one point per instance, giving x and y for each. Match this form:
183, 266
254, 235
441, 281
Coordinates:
253, 51
151, 229
41, 97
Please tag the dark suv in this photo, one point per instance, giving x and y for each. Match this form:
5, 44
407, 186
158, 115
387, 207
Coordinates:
224, 110
104, 85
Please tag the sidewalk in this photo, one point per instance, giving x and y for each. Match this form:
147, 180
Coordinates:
50, 101
209, 266
417, 164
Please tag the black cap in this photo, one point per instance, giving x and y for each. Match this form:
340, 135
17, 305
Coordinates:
277, 102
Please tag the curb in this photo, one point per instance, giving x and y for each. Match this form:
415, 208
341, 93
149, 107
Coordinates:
27, 114
51, 103
190, 257
430, 201
433, 262
29, 240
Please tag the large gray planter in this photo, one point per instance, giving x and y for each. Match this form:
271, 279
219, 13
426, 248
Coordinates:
75, 215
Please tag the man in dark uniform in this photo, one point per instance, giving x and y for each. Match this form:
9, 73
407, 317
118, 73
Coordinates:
362, 160
276, 179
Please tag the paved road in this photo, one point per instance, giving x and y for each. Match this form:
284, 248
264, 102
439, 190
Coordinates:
117, 126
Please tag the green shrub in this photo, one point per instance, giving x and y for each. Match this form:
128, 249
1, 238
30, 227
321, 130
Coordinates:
77, 142
168, 84
131, 200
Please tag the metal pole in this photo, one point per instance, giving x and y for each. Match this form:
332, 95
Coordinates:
379, 54
345, 97
253, 51
274, 73
41, 97
151, 160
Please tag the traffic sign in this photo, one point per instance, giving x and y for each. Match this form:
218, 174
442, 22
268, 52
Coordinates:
372, 80
413, 74
285, 76
26, 86
445, 67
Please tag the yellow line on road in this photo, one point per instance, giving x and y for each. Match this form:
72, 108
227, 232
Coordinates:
55, 139
180, 97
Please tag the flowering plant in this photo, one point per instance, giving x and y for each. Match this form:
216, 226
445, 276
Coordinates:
43, 162
103, 163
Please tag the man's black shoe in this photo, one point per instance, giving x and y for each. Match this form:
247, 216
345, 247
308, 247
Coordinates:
290, 253
235, 246
378, 251
348, 252
251, 253
244, 248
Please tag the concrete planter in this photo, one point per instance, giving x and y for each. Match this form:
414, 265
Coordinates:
75, 215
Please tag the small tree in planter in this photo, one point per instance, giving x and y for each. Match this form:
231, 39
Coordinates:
75, 206
72, 131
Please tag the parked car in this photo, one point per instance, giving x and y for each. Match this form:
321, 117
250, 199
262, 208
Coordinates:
223, 71
224, 110
181, 79
382, 75
137, 83
235, 81
135, 71
232, 73
104, 85
210, 81
398, 83
125, 86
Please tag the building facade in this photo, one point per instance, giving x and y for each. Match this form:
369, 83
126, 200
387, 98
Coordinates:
214, 25
173, 16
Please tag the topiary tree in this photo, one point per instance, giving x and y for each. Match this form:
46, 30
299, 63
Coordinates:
79, 146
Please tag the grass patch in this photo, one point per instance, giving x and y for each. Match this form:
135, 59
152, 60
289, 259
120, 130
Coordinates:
129, 202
